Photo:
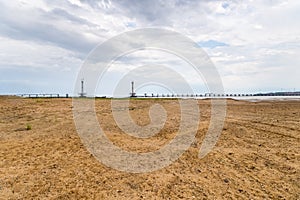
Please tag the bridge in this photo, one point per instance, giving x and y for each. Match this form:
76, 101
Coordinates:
153, 95
215, 95
43, 95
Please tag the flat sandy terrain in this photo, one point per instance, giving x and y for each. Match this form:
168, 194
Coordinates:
256, 157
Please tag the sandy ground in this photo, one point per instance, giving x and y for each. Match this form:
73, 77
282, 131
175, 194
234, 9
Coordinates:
256, 157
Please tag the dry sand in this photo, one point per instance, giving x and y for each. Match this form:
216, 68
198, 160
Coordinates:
256, 157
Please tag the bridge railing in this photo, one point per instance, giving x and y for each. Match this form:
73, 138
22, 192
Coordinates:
43, 95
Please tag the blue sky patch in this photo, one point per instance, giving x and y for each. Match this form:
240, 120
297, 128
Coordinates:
131, 24
211, 44
225, 5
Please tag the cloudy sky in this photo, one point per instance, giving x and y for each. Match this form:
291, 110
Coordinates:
255, 45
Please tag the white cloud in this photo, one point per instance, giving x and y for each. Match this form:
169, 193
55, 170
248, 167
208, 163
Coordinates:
262, 36
27, 54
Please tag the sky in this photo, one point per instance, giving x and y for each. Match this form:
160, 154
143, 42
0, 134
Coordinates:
255, 45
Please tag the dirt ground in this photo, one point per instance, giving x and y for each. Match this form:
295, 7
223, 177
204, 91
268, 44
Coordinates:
256, 157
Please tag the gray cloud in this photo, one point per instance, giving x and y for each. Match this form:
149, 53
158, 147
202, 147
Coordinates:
41, 29
63, 14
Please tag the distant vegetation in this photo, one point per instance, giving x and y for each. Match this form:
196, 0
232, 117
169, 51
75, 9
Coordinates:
28, 127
